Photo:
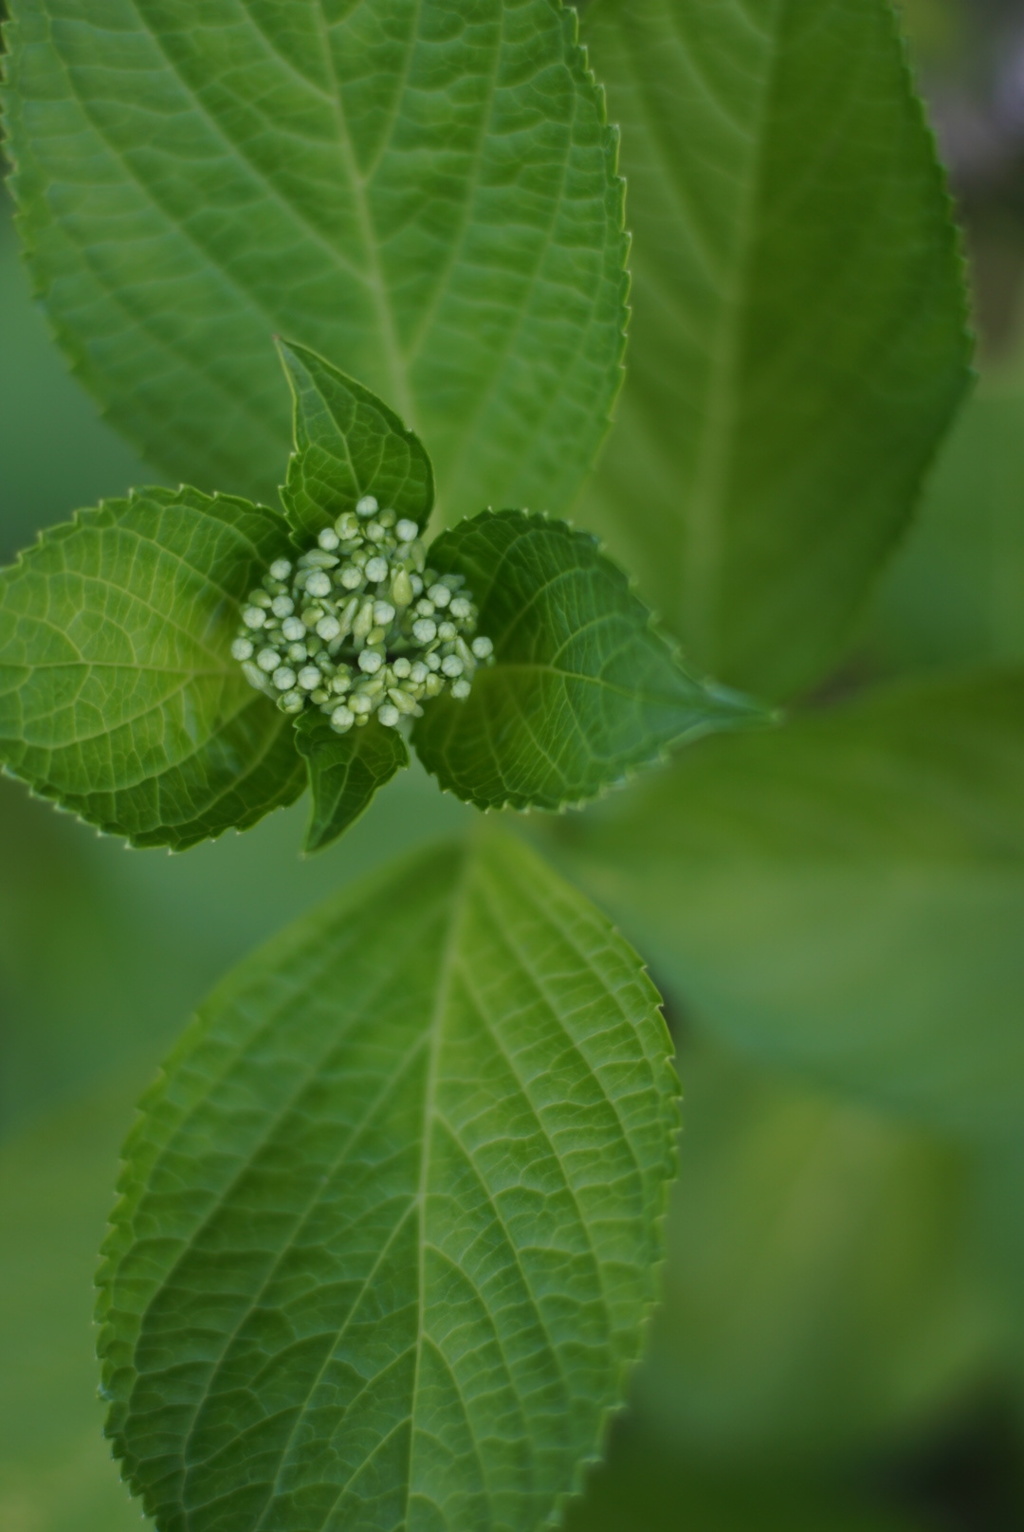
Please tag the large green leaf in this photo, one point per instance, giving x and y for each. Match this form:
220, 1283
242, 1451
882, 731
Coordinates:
345, 771
391, 1218
953, 594
426, 195
822, 1296
798, 342
118, 693
844, 896
644, 1487
583, 690
348, 444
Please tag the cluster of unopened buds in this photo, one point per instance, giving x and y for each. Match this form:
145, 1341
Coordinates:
358, 626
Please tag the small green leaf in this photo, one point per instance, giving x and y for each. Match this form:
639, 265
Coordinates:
583, 692
392, 1217
348, 444
118, 693
798, 342
426, 194
843, 897
345, 771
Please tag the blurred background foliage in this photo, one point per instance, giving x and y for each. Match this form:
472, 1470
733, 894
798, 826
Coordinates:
841, 1348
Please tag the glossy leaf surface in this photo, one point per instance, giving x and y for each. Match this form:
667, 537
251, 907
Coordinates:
391, 1218
798, 342
425, 194
844, 897
583, 690
118, 693
348, 443
345, 771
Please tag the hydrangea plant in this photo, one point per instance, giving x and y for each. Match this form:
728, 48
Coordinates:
391, 1218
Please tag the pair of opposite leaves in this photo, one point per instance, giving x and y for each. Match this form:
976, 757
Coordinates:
119, 697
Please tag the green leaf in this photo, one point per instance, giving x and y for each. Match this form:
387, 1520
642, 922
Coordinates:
843, 897
391, 1218
118, 693
348, 444
583, 692
426, 195
345, 771
798, 343
953, 594
822, 1295
643, 1487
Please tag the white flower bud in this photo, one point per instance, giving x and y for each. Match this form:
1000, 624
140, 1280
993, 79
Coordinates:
328, 628
367, 506
482, 647
341, 682
433, 661
346, 526
460, 607
377, 568
254, 617
309, 678
268, 660
401, 588
418, 672
254, 675
293, 629
461, 690
342, 719
405, 530
425, 630
284, 678
351, 577
281, 569
292, 702
328, 539
241, 649
375, 532
401, 667
296, 653
388, 715
417, 584
282, 606
370, 662
446, 631
360, 703
451, 665
439, 594
318, 583
383, 613
425, 607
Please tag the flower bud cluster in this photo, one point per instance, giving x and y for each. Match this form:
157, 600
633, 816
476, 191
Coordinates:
359, 626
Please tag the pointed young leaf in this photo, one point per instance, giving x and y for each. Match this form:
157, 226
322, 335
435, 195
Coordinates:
843, 897
426, 194
348, 444
392, 1217
345, 771
583, 690
118, 693
798, 341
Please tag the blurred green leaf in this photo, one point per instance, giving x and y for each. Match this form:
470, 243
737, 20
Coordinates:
644, 1488
56, 1472
583, 690
844, 896
395, 1203
953, 596
798, 344
118, 693
348, 444
427, 196
345, 771
55, 452
821, 1295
